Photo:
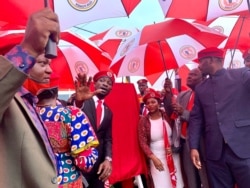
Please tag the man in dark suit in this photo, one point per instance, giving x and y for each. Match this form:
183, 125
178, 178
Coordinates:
246, 57
221, 111
88, 102
193, 177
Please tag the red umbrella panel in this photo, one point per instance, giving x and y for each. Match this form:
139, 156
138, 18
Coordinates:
21, 8
201, 10
75, 55
163, 46
80, 11
110, 40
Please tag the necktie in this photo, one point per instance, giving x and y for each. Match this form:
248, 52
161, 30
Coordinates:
98, 113
189, 108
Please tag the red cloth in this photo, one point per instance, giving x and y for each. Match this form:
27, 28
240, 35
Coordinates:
169, 157
189, 108
98, 113
128, 159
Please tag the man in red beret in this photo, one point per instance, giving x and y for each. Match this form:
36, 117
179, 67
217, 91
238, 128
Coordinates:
246, 57
221, 111
142, 86
100, 117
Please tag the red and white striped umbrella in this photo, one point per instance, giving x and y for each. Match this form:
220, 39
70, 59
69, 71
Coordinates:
201, 10
75, 55
70, 12
163, 46
110, 40
235, 27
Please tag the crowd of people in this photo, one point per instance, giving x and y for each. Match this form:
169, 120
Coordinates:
197, 138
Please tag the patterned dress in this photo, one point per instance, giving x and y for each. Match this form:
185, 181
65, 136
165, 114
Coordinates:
73, 141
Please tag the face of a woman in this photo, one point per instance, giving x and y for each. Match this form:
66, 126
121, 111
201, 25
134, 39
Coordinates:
152, 105
41, 71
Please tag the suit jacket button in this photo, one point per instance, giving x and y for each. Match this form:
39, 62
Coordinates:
22, 65
54, 180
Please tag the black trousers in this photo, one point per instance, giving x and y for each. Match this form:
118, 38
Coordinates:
229, 170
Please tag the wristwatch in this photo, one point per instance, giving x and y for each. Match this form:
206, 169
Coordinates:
108, 158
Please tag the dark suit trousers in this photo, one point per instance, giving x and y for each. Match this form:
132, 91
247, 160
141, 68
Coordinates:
228, 170
192, 176
95, 183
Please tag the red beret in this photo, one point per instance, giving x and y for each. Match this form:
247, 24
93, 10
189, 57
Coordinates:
211, 52
101, 74
246, 54
142, 81
151, 93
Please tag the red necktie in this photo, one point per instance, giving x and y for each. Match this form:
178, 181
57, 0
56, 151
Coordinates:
189, 108
98, 113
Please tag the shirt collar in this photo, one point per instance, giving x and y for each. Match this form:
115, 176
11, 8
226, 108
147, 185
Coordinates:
24, 93
219, 72
95, 98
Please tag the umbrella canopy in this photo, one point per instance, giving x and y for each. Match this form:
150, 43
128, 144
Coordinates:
236, 27
163, 46
110, 40
80, 11
75, 55
201, 10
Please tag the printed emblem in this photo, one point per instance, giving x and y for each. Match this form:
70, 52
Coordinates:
110, 74
126, 48
228, 5
152, 95
218, 28
81, 67
123, 33
187, 52
236, 64
82, 5
133, 65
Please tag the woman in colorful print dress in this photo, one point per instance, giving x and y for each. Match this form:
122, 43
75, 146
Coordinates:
71, 136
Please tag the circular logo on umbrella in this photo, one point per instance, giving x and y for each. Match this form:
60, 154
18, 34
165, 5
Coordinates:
82, 5
126, 47
81, 67
229, 5
236, 64
218, 28
134, 65
123, 33
188, 52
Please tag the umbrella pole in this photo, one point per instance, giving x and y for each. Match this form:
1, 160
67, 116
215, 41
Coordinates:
162, 55
236, 42
248, 4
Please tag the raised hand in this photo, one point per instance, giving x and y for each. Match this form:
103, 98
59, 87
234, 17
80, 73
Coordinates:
82, 87
41, 25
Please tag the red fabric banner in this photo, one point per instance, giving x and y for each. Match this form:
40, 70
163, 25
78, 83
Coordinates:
128, 160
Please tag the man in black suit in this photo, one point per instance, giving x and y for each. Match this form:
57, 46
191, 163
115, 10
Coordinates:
221, 112
88, 102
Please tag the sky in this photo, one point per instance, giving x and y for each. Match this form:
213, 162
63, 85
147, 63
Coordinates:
147, 12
